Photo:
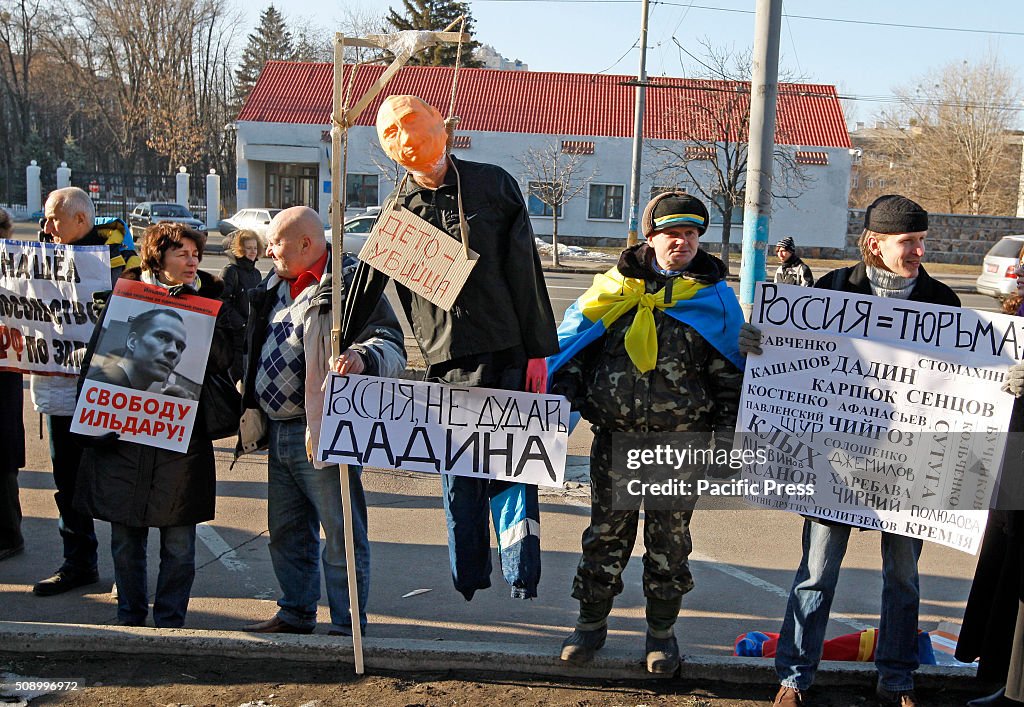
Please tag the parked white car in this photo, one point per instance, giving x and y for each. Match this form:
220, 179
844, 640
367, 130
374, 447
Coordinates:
253, 219
999, 269
357, 230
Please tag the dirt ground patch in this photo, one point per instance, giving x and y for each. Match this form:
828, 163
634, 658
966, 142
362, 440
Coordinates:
115, 680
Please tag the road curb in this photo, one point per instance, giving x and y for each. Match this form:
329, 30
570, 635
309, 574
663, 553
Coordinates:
616, 662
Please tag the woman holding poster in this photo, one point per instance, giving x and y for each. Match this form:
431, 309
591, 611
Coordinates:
136, 487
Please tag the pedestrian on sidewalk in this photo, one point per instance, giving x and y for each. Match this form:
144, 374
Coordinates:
792, 270
240, 276
136, 487
892, 248
496, 335
69, 218
288, 356
648, 348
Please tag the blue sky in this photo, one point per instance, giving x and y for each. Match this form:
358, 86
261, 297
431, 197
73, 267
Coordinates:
864, 60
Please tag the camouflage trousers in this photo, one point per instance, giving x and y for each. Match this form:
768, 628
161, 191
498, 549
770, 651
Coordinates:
609, 540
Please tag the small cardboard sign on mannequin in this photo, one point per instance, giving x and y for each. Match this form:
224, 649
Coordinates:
418, 255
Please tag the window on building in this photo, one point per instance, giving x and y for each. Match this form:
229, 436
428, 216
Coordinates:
605, 202
534, 205
812, 157
701, 152
715, 209
361, 191
577, 147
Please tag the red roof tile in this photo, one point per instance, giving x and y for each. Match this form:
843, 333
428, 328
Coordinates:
552, 103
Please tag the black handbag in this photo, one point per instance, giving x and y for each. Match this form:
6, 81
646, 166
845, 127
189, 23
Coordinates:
221, 405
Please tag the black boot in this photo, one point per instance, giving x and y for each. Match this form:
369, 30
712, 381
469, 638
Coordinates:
580, 646
662, 655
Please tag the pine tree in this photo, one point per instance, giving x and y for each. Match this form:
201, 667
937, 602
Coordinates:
271, 40
435, 15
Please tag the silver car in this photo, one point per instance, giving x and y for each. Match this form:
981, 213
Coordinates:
257, 220
999, 270
357, 231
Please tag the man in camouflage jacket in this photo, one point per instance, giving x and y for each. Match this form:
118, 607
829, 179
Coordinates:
688, 383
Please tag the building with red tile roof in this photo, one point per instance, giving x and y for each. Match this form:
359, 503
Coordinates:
283, 139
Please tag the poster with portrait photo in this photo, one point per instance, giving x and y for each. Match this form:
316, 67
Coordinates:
147, 370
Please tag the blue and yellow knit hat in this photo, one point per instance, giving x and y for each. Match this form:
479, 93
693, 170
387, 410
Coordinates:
674, 208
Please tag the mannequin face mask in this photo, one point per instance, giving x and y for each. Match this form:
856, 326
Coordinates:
412, 133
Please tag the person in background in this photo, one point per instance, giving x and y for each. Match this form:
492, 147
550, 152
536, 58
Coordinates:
240, 276
792, 270
136, 487
12, 441
69, 218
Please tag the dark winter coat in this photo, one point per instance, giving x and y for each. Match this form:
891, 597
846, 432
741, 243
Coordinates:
692, 387
239, 278
146, 487
794, 272
12, 427
855, 279
505, 302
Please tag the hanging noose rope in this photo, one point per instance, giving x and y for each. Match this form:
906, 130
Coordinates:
452, 121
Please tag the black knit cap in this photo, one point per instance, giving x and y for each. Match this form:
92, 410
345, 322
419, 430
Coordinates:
787, 243
674, 209
893, 213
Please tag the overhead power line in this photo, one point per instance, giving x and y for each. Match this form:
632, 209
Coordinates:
814, 18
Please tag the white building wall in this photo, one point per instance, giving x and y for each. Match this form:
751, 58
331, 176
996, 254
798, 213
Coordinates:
817, 218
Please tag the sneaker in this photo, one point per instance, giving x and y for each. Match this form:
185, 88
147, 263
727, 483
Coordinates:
580, 646
788, 697
62, 581
662, 655
897, 698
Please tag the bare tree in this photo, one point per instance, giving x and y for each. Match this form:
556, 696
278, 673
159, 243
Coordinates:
951, 132
141, 89
554, 177
708, 153
20, 26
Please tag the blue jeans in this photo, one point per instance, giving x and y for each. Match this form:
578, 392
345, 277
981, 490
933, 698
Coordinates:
76, 529
803, 629
173, 584
301, 498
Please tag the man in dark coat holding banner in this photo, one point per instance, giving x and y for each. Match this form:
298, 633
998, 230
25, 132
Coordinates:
70, 220
892, 246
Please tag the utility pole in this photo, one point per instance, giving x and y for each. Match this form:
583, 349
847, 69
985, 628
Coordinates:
757, 202
638, 129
